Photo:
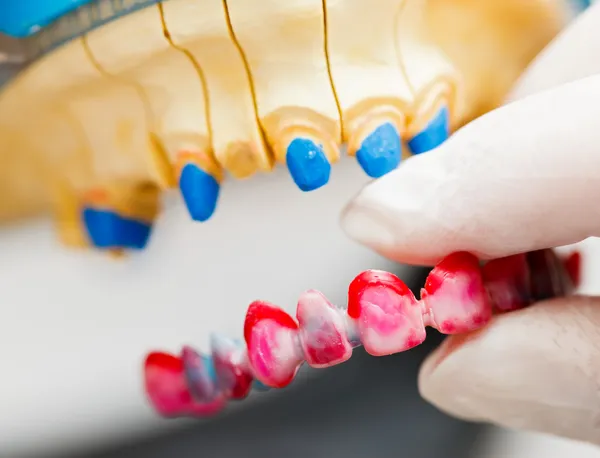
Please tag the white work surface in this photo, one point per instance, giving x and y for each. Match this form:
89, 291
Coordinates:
75, 327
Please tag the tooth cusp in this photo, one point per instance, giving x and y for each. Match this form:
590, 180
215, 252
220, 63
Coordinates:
387, 315
323, 334
274, 350
454, 298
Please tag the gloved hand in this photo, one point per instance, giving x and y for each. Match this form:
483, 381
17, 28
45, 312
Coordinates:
524, 177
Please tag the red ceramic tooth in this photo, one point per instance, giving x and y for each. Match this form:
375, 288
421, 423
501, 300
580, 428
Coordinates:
322, 331
273, 348
573, 266
454, 295
508, 282
166, 387
388, 317
549, 276
234, 378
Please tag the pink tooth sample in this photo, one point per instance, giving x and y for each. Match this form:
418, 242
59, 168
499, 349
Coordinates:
387, 315
323, 333
274, 350
166, 387
234, 376
454, 296
549, 275
508, 282
573, 267
201, 384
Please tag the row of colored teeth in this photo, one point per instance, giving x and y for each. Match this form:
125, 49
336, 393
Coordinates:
382, 315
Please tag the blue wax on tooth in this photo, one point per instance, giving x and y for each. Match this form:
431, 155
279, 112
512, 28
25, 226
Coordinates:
200, 192
108, 230
200, 375
308, 165
381, 151
434, 134
210, 367
259, 386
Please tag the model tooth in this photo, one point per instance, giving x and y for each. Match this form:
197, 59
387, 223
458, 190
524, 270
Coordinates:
295, 99
432, 78
172, 88
373, 90
198, 175
202, 30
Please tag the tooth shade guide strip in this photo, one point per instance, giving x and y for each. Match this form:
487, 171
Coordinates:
325, 335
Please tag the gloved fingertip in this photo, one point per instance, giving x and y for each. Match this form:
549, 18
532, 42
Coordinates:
527, 370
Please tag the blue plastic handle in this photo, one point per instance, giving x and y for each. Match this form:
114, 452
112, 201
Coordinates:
21, 18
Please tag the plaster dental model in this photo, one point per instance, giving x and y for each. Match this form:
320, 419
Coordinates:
382, 314
131, 98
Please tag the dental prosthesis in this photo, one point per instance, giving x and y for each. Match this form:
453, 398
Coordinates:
118, 101
382, 315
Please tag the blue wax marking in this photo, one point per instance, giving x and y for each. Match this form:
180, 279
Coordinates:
21, 18
200, 192
108, 230
259, 386
381, 151
307, 164
434, 134
209, 365
582, 4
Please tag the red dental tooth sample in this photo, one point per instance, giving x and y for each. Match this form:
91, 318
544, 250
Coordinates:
508, 282
234, 377
165, 384
549, 276
454, 295
573, 266
388, 317
274, 350
323, 333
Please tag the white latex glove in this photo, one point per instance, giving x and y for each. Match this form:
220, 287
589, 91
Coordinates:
524, 177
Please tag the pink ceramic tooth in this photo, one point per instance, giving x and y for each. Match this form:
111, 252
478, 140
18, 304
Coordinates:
166, 387
274, 350
508, 282
323, 333
233, 374
454, 297
388, 317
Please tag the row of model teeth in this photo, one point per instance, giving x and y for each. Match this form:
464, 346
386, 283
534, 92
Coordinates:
383, 315
184, 118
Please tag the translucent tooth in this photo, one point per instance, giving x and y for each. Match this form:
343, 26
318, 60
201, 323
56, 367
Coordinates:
234, 378
200, 375
323, 334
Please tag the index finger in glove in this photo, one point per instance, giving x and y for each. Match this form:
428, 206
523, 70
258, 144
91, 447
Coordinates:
523, 177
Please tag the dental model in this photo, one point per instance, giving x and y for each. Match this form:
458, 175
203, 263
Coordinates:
124, 100
382, 315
